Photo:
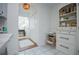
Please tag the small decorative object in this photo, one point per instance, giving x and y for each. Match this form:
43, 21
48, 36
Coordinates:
4, 29
26, 6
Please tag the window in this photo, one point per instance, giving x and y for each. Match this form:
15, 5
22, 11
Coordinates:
23, 23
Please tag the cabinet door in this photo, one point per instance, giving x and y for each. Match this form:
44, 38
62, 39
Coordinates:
4, 9
2, 50
0, 9
70, 39
66, 48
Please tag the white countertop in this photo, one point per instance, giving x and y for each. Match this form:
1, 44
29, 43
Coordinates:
4, 38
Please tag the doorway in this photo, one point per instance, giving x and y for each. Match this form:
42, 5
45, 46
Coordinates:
24, 32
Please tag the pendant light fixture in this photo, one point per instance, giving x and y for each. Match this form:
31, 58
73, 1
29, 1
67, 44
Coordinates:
26, 6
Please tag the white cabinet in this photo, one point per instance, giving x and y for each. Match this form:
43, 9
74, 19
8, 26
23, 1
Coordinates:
2, 50
3, 17
66, 48
66, 34
3, 9
66, 43
66, 38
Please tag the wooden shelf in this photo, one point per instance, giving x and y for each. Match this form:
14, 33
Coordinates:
69, 23
68, 20
68, 14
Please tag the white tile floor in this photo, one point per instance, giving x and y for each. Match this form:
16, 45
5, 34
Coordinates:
42, 50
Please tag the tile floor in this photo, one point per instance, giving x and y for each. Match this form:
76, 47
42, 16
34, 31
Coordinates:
42, 50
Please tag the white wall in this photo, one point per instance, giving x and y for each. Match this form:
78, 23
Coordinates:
39, 17
44, 22
54, 18
12, 22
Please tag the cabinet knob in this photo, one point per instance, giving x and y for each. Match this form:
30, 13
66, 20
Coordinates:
64, 46
1, 12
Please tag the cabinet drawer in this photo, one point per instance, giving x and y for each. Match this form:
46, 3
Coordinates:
68, 49
66, 38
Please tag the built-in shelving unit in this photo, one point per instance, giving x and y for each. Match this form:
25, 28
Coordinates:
68, 16
66, 32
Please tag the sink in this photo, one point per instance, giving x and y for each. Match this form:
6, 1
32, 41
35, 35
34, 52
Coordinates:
4, 38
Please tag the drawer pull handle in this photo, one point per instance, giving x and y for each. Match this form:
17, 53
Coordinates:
64, 46
64, 38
